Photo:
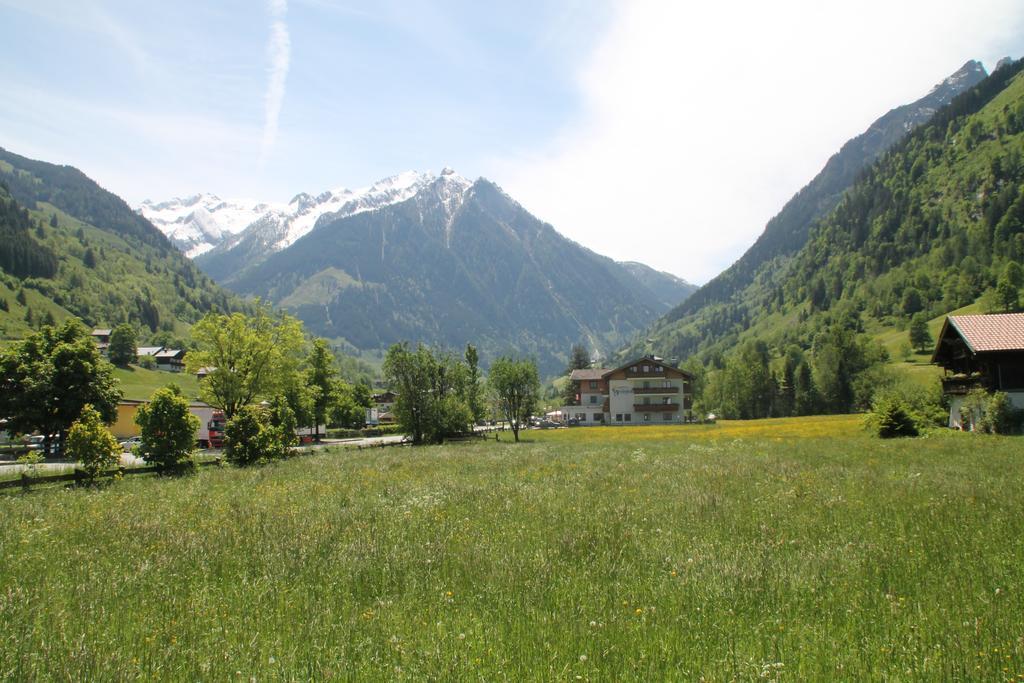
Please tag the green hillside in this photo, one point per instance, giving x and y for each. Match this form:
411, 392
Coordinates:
74, 249
930, 228
140, 383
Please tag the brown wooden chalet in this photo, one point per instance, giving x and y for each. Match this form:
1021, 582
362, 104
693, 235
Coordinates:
984, 351
981, 352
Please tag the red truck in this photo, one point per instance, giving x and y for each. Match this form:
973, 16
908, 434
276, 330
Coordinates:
215, 428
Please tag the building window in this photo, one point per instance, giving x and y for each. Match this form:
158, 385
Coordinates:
647, 417
647, 368
647, 385
618, 417
598, 417
629, 417
581, 417
632, 369
593, 384
593, 398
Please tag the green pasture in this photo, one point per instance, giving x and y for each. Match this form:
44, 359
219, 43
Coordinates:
798, 549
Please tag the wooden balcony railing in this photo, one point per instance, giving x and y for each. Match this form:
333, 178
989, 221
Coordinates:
656, 390
959, 386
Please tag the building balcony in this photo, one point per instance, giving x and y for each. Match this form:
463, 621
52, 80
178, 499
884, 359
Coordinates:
640, 374
959, 386
655, 390
656, 407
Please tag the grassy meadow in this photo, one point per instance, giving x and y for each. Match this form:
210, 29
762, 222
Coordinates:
795, 549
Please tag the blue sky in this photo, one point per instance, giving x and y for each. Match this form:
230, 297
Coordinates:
690, 125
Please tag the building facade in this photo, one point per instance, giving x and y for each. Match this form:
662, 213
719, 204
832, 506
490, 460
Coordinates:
644, 391
980, 352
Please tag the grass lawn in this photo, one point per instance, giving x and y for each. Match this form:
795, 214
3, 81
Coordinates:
801, 549
140, 383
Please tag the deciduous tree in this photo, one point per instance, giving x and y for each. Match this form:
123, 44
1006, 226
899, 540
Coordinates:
253, 357
123, 345
321, 380
168, 429
47, 379
517, 387
92, 444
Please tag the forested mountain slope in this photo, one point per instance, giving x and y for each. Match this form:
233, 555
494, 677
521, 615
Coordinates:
72, 248
936, 224
457, 262
905, 228
787, 232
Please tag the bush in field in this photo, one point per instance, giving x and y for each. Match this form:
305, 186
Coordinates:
168, 429
999, 416
923, 403
251, 438
891, 417
92, 444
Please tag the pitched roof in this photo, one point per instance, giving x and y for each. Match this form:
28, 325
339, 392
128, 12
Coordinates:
148, 350
653, 360
994, 332
588, 373
169, 353
100, 332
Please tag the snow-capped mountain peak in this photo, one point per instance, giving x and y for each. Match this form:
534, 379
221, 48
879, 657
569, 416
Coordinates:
203, 222
197, 223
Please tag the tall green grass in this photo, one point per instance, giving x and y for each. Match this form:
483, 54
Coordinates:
693, 553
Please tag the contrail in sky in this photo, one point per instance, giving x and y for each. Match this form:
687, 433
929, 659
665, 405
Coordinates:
279, 55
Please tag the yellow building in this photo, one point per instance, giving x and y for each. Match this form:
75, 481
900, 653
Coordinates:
124, 426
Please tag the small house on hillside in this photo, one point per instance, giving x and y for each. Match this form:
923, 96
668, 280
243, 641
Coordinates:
981, 352
150, 351
102, 338
171, 360
643, 391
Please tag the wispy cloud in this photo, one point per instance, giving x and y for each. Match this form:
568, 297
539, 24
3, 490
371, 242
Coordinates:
699, 120
279, 57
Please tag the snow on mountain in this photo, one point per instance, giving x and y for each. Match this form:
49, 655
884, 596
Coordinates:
204, 222
198, 223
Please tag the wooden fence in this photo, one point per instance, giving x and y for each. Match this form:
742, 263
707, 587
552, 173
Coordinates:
28, 478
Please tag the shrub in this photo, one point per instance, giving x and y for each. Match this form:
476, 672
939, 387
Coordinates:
282, 417
92, 444
999, 416
890, 417
168, 429
252, 439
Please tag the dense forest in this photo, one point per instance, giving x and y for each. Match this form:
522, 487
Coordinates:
20, 254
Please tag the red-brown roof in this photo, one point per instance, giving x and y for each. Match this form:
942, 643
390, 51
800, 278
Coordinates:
994, 332
588, 373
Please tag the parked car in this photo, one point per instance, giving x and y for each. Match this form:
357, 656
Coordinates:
36, 442
129, 444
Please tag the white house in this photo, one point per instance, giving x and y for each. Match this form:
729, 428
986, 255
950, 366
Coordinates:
643, 391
